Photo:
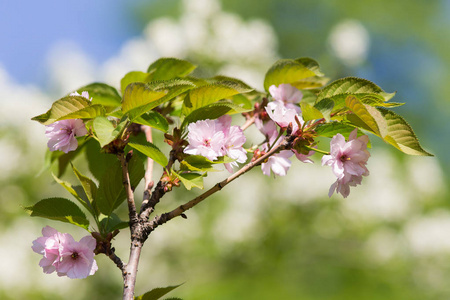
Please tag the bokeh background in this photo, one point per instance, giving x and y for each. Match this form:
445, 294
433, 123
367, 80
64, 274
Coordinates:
259, 238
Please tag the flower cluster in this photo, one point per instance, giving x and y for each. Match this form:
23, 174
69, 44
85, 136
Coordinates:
61, 134
61, 253
284, 112
348, 161
216, 138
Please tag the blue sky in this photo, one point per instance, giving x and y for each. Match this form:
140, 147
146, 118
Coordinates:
28, 29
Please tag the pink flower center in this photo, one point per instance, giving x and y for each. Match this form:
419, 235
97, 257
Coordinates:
67, 130
74, 255
207, 142
344, 158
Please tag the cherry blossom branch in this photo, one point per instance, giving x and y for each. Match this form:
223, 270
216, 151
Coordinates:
148, 182
127, 185
148, 207
130, 270
159, 220
247, 123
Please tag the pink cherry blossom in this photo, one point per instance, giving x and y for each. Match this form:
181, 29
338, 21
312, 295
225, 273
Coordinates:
223, 124
283, 116
343, 185
215, 138
61, 253
205, 140
268, 128
77, 258
48, 246
84, 94
234, 140
287, 94
61, 134
348, 161
279, 163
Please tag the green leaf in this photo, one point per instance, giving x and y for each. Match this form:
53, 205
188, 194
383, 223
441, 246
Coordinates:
366, 91
371, 119
102, 94
291, 71
151, 151
377, 100
310, 64
104, 130
332, 128
89, 112
175, 84
191, 180
82, 198
176, 87
89, 186
208, 94
197, 163
310, 112
61, 108
134, 76
349, 86
325, 107
154, 120
167, 68
401, 135
212, 111
237, 83
243, 102
309, 97
98, 162
59, 209
112, 222
138, 94
156, 293
386, 124
310, 83
111, 193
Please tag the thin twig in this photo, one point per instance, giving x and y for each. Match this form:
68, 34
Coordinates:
248, 122
148, 182
119, 263
159, 220
148, 207
127, 185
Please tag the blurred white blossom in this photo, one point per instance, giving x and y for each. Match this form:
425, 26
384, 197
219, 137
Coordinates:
350, 41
